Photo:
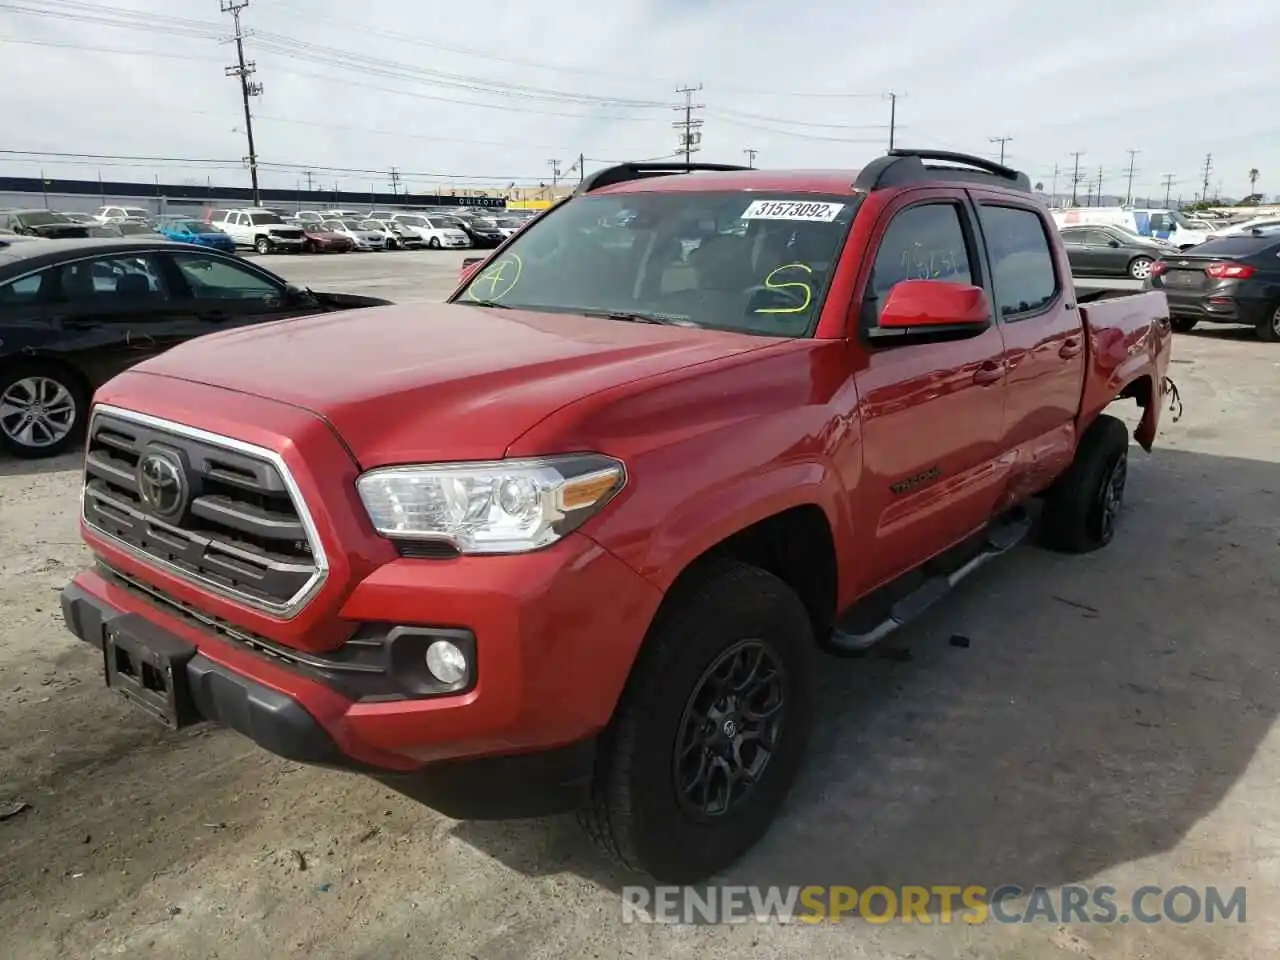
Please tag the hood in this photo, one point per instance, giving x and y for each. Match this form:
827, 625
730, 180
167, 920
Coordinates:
428, 382
59, 231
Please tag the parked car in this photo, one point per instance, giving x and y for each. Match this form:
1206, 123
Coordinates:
76, 217
122, 228
1103, 251
583, 551
320, 239
1169, 225
433, 231
263, 230
361, 237
1245, 227
197, 232
343, 214
112, 214
1233, 279
48, 224
395, 235
74, 313
509, 226
305, 217
482, 232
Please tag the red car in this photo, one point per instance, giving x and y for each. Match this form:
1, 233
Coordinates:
574, 538
320, 240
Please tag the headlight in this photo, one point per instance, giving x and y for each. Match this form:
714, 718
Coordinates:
507, 506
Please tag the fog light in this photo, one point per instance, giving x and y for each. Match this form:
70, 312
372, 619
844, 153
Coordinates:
446, 662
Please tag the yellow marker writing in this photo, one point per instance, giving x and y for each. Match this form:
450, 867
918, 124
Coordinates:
808, 291
493, 278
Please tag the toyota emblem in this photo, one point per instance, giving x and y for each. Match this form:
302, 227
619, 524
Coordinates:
162, 485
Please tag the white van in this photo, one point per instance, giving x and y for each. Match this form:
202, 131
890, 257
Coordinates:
1167, 225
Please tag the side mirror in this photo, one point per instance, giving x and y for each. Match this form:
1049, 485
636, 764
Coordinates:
1113, 242
914, 304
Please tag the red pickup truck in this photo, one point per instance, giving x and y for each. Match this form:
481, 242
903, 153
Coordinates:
573, 538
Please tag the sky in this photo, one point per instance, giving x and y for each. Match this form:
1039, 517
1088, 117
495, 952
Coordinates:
493, 91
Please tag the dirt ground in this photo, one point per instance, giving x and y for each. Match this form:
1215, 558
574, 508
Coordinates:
1111, 721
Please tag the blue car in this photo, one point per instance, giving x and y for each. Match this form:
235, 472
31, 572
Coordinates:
197, 232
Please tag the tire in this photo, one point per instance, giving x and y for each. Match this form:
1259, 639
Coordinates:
1183, 324
65, 400
1269, 326
1140, 268
309, 247
1081, 508
729, 614
262, 245
434, 243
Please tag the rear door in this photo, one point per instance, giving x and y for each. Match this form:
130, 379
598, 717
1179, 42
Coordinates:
1043, 338
931, 412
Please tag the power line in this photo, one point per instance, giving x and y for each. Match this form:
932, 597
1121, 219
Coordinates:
692, 135
243, 71
1002, 141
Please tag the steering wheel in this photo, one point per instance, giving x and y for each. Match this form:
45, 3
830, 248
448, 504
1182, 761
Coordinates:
800, 300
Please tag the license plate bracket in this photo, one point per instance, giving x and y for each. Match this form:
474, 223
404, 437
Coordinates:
148, 667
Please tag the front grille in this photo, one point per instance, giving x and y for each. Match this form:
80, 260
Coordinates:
238, 528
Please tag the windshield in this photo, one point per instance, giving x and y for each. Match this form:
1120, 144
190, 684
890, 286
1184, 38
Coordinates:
259, 219
1182, 222
372, 225
413, 221
725, 260
196, 226
40, 218
352, 224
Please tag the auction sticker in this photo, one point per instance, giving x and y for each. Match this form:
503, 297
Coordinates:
792, 210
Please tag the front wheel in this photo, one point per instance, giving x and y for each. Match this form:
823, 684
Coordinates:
711, 729
42, 410
435, 243
1140, 268
1083, 505
1269, 326
262, 245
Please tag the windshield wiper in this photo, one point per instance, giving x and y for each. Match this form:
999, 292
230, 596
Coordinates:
484, 303
632, 317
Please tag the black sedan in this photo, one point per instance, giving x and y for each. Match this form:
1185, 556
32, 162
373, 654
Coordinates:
1231, 280
74, 313
42, 223
1102, 251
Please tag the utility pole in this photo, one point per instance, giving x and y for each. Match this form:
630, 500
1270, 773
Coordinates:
751, 157
582, 169
1168, 182
692, 135
310, 178
893, 117
395, 181
1099, 186
1075, 176
243, 71
1208, 169
1128, 194
1002, 141
555, 173
1053, 196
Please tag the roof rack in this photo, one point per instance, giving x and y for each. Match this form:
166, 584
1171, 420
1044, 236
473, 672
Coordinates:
626, 172
902, 167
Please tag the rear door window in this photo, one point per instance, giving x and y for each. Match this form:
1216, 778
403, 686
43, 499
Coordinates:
1022, 267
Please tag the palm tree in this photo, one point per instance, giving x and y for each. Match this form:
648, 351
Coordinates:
1253, 180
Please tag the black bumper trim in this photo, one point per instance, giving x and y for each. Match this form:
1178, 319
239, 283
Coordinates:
487, 788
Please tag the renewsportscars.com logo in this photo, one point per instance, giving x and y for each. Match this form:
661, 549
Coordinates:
937, 904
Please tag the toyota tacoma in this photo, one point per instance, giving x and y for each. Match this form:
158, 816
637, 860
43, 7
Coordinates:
574, 538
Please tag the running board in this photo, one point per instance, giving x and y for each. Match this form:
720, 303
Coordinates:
1002, 536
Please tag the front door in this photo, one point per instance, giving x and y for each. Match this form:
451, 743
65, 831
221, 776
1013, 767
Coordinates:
931, 413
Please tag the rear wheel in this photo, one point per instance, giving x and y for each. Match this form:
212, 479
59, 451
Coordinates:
435, 243
1183, 324
1269, 326
1140, 267
1082, 507
711, 729
262, 245
42, 410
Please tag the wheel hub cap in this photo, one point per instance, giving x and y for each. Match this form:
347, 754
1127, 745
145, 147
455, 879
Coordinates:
37, 412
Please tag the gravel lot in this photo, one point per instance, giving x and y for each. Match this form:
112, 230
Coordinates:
1111, 722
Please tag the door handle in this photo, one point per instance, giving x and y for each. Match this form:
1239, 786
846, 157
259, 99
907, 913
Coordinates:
991, 371
1070, 348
